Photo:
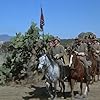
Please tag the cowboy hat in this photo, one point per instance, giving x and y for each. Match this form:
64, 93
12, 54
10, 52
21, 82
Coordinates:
56, 38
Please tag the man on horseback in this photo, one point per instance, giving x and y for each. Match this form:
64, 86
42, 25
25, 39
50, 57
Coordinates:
96, 48
57, 53
81, 50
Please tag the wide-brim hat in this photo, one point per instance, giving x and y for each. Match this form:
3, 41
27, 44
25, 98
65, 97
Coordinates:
78, 39
51, 39
56, 38
95, 39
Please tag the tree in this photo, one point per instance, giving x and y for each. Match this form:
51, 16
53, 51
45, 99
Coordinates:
20, 53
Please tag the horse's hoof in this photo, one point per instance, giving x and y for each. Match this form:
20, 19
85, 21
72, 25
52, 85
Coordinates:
91, 82
84, 95
62, 97
77, 96
51, 98
72, 98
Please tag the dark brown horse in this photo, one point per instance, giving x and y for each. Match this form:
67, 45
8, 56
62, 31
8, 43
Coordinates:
98, 70
77, 73
93, 68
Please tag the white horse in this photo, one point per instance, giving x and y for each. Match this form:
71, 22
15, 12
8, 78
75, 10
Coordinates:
51, 71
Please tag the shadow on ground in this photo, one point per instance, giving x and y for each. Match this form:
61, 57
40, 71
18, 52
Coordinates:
41, 93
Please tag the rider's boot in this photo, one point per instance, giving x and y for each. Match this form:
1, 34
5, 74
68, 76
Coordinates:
43, 78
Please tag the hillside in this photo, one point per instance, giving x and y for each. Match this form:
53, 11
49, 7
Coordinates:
5, 37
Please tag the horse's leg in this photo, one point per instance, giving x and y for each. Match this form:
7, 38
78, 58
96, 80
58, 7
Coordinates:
51, 87
92, 81
55, 89
97, 71
99, 74
48, 89
87, 89
95, 74
60, 86
81, 87
72, 83
63, 85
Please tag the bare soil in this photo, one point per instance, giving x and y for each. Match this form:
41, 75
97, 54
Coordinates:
39, 92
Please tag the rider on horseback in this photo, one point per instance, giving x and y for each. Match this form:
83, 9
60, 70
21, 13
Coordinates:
82, 52
57, 53
96, 47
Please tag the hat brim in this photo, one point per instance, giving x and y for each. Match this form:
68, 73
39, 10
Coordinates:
57, 39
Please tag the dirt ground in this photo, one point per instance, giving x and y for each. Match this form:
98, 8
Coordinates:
39, 92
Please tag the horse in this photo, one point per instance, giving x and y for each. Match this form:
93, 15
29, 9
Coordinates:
51, 71
77, 73
98, 70
93, 69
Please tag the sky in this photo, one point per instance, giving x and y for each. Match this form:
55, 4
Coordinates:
63, 18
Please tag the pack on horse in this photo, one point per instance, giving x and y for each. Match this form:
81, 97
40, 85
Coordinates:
51, 71
77, 73
93, 68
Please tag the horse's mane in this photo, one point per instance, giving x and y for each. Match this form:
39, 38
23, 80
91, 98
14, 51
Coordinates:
52, 61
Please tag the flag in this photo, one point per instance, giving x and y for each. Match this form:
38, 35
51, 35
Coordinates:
41, 20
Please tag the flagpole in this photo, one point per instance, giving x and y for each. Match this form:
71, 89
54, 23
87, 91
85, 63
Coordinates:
43, 34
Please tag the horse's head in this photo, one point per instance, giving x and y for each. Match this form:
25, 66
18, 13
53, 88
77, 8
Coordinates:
73, 58
42, 62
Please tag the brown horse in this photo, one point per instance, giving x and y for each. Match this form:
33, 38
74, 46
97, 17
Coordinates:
93, 68
98, 70
77, 73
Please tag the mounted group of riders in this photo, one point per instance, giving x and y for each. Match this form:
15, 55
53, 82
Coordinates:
79, 62
81, 47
